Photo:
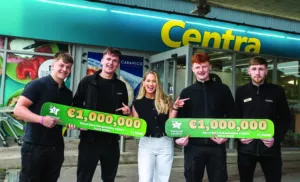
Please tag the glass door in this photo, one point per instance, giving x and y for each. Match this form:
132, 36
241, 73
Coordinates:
173, 68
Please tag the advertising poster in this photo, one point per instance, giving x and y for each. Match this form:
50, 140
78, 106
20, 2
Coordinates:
23, 68
94, 62
131, 71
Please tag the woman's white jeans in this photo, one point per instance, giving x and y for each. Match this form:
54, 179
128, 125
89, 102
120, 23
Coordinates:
155, 159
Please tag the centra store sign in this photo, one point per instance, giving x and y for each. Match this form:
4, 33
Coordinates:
221, 41
101, 24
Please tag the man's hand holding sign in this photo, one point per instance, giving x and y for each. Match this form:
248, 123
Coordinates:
94, 120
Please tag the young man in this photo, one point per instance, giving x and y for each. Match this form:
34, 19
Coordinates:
104, 92
42, 152
207, 99
260, 99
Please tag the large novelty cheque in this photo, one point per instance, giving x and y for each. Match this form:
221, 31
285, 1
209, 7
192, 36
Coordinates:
94, 120
222, 128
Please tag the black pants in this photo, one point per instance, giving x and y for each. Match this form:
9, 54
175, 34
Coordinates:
108, 152
271, 166
40, 163
196, 158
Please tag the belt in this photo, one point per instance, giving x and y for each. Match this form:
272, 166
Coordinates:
155, 135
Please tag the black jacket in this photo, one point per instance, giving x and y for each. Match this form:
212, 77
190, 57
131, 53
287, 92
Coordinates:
87, 96
267, 101
210, 99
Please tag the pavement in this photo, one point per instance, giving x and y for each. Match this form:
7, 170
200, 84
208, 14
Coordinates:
128, 171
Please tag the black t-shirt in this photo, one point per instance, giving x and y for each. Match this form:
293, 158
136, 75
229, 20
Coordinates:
106, 95
40, 91
106, 103
146, 110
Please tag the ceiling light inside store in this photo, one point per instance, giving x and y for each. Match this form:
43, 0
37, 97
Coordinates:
229, 58
292, 82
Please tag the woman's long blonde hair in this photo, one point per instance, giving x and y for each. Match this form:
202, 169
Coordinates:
161, 100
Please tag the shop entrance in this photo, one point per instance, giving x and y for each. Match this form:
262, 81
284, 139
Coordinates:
173, 68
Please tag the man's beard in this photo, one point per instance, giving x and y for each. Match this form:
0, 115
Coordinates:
258, 80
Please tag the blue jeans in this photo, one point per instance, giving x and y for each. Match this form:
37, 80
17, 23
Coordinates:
155, 159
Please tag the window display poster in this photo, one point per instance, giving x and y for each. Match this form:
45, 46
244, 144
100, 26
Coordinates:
23, 68
131, 71
94, 62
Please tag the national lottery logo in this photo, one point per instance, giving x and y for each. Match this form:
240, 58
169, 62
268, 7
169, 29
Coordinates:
53, 110
176, 124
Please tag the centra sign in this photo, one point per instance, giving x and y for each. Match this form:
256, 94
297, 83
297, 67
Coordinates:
220, 41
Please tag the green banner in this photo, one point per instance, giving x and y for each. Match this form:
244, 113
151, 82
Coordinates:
222, 128
94, 120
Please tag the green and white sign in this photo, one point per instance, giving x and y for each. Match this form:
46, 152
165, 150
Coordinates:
222, 128
94, 120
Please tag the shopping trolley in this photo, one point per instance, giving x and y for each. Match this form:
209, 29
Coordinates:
9, 126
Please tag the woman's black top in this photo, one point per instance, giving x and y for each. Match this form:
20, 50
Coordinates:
155, 122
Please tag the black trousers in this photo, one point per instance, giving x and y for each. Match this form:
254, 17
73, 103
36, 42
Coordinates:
40, 163
271, 167
108, 152
196, 158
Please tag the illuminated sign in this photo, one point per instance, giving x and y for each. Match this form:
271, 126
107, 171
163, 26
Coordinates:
220, 41
103, 24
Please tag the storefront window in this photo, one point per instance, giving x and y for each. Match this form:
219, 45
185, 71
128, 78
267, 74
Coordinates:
288, 76
221, 67
159, 68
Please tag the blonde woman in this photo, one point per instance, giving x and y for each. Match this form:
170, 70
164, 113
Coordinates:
156, 150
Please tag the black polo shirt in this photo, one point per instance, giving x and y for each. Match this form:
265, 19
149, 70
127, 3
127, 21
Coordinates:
39, 91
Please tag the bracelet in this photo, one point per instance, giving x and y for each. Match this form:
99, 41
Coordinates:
42, 121
176, 109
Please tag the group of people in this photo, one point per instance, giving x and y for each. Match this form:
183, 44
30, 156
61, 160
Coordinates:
42, 151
